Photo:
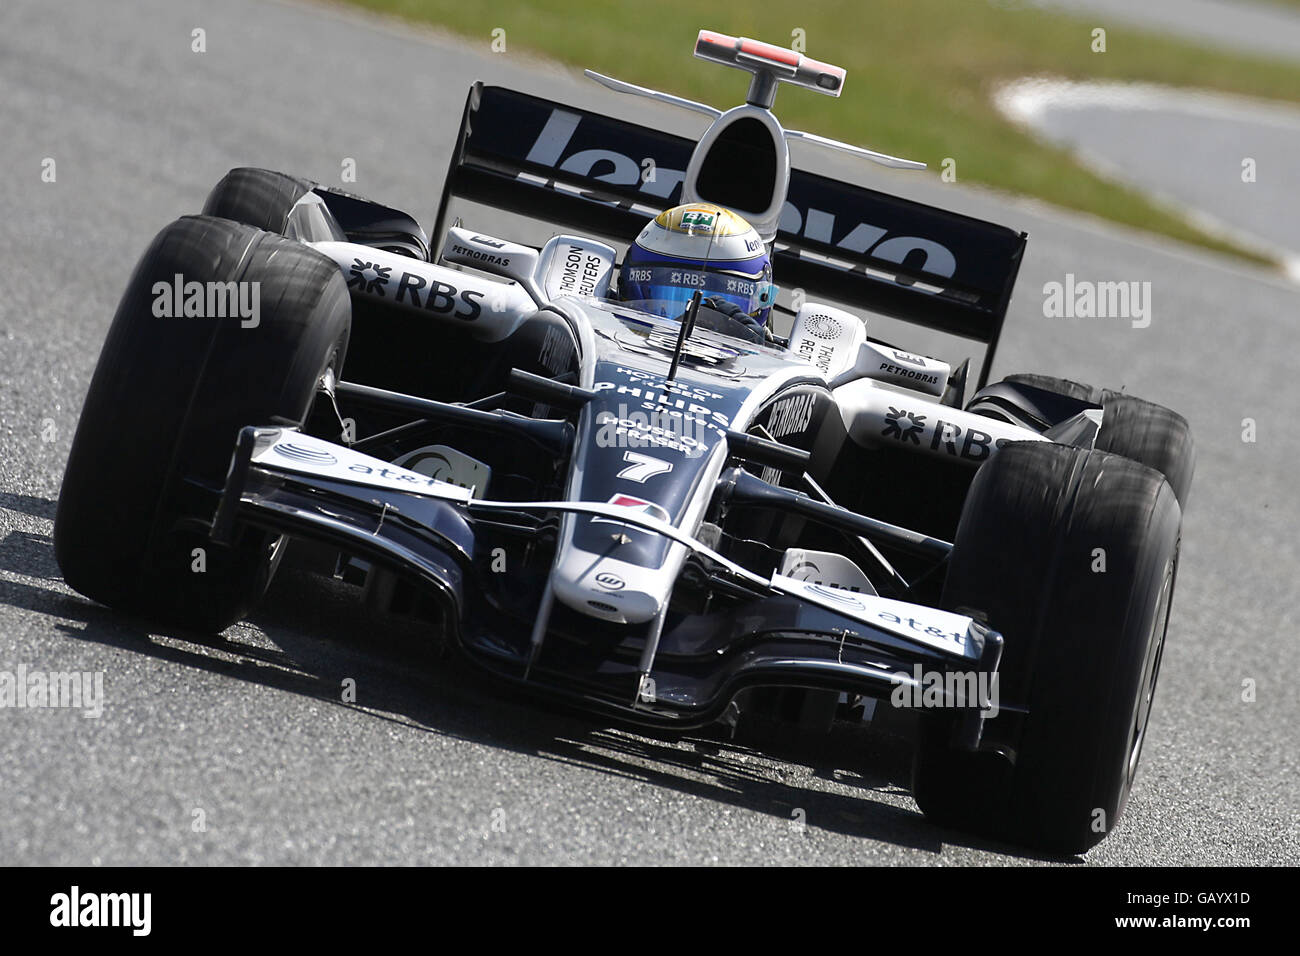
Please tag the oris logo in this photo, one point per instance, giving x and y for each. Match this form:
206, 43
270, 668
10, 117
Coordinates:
610, 582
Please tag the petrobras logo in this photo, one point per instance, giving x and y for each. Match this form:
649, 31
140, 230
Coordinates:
478, 255
901, 372
791, 416
610, 166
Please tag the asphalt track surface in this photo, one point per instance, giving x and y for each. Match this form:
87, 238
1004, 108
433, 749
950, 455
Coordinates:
238, 750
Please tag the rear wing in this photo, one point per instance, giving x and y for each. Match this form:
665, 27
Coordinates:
596, 174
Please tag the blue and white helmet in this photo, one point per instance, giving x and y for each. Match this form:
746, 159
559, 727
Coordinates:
698, 246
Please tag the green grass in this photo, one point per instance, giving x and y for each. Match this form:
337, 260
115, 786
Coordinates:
920, 75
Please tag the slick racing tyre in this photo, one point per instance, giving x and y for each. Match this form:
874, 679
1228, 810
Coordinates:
1143, 431
1151, 434
1071, 554
297, 209
1058, 386
167, 400
256, 197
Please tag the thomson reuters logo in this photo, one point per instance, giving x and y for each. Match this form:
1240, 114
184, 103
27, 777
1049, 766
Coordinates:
822, 326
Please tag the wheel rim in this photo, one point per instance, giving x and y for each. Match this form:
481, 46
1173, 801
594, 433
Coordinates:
1151, 671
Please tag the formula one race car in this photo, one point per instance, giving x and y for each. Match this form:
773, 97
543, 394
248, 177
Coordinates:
616, 484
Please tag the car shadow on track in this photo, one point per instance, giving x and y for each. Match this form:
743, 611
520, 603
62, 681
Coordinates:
29, 505
310, 636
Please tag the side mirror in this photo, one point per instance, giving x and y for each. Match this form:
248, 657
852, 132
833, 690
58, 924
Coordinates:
884, 363
827, 337
510, 260
575, 265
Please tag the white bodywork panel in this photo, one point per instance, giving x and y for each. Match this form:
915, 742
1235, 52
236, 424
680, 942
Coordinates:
447, 464
304, 454
500, 256
877, 415
826, 337
941, 630
896, 367
825, 568
488, 308
576, 266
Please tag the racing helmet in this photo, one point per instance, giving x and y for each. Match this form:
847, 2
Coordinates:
698, 246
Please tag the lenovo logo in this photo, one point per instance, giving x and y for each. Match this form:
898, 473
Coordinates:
550, 149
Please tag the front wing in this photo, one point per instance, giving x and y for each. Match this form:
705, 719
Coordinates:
777, 631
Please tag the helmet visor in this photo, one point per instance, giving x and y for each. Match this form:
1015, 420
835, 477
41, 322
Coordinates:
667, 288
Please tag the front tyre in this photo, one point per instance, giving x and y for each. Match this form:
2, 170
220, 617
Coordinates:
1071, 555
167, 400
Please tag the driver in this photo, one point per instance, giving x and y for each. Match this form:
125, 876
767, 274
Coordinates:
700, 246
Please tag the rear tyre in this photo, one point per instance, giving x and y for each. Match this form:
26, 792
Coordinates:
1058, 386
1151, 434
1137, 429
1071, 555
256, 197
167, 400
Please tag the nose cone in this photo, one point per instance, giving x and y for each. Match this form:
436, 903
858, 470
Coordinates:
610, 589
